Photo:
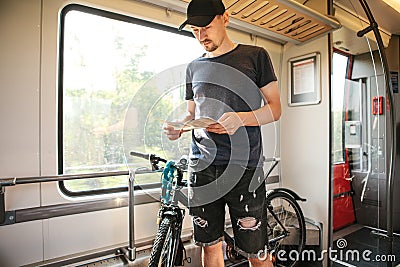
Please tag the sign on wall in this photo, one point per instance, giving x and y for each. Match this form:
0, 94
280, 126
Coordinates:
304, 80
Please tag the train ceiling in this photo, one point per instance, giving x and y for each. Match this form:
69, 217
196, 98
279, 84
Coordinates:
280, 20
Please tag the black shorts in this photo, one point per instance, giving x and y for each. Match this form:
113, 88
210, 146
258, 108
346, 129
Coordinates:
243, 190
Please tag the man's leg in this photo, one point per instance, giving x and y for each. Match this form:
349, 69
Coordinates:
208, 219
249, 216
213, 256
255, 262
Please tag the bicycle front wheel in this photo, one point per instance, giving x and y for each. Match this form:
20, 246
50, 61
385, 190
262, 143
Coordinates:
165, 245
286, 229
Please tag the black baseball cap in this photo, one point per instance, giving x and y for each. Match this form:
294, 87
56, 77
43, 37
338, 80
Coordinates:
200, 13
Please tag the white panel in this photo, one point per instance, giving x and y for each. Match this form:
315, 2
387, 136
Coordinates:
19, 98
240, 37
305, 141
21, 244
19, 118
19, 95
146, 220
76, 233
51, 194
30, 193
49, 88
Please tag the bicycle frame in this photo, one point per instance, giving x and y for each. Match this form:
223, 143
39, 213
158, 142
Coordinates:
172, 194
171, 186
285, 231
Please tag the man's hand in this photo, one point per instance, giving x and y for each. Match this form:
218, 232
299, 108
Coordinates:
171, 133
227, 124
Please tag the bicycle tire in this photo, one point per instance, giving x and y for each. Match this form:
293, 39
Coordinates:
161, 247
286, 249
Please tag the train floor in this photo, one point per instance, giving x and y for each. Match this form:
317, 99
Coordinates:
359, 245
304, 263
354, 246
300, 264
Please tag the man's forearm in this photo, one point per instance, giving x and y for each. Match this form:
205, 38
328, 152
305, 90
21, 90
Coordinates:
264, 115
188, 117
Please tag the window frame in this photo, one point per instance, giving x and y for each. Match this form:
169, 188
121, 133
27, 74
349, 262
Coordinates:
349, 71
60, 99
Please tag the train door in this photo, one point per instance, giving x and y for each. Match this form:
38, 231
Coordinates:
361, 145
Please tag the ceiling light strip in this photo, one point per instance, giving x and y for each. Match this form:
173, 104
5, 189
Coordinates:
255, 9
277, 15
298, 26
293, 22
230, 4
241, 8
282, 20
268, 11
311, 33
306, 29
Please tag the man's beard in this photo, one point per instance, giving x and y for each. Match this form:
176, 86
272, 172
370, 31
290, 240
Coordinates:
211, 48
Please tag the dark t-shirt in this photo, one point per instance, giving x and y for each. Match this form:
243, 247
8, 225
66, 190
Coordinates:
228, 83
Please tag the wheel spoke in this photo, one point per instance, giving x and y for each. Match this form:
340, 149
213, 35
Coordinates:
286, 227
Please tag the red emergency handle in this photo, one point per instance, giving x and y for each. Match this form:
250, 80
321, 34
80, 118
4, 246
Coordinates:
377, 105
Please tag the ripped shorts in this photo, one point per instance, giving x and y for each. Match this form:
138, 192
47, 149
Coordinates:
242, 189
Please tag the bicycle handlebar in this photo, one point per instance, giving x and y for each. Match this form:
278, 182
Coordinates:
140, 155
154, 160
183, 162
151, 157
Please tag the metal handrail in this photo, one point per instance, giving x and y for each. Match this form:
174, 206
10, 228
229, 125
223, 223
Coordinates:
4, 182
130, 251
389, 184
56, 178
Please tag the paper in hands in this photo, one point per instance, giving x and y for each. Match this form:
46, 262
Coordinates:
192, 124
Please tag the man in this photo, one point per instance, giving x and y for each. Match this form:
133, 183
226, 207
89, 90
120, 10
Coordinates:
227, 84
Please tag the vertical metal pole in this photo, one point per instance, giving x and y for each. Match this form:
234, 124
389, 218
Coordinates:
360, 101
389, 92
330, 218
131, 192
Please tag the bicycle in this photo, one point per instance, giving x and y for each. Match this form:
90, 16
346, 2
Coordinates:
285, 222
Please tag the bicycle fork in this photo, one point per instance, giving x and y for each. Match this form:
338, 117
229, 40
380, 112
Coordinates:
175, 252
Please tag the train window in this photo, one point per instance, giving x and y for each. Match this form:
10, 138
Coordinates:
105, 58
357, 124
339, 74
